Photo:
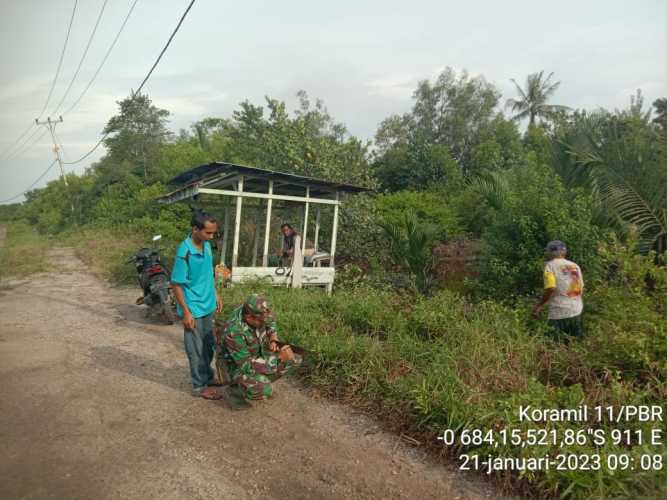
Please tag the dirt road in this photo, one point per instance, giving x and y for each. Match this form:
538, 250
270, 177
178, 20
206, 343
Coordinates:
95, 403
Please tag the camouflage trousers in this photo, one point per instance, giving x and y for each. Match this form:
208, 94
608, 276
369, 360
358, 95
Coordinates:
257, 385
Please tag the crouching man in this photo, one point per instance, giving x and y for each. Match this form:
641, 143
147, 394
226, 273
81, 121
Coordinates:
250, 352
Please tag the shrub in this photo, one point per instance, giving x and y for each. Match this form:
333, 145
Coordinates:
534, 209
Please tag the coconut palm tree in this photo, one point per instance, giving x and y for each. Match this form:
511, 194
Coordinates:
532, 101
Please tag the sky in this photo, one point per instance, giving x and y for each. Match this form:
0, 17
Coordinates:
362, 58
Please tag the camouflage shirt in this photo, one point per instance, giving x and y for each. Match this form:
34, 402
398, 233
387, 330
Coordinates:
245, 349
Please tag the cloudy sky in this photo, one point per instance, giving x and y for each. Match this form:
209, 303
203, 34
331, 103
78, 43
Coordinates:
363, 58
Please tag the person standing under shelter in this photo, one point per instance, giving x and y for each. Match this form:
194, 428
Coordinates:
563, 291
193, 283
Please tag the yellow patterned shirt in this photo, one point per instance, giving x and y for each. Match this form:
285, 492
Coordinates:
565, 276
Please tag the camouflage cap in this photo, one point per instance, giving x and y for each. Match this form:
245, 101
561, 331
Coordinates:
258, 305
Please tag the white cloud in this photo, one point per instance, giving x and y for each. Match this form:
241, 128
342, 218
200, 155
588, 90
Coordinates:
392, 86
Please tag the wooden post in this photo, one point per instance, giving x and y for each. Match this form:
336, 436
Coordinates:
237, 224
333, 232
225, 235
305, 220
317, 228
297, 264
255, 245
269, 203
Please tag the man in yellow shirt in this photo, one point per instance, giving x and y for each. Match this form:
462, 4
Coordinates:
563, 290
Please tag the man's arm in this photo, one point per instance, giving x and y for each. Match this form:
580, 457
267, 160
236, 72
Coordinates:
179, 277
546, 296
237, 348
218, 300
549, 290
188, 319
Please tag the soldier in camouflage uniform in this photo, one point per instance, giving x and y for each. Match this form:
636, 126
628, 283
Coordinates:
249, 351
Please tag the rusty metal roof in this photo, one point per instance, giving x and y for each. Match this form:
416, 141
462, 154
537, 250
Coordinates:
209, 172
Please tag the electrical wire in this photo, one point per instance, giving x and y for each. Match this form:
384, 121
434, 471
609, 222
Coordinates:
166, 46
83, 57
48, 99
150, 72
11, 146
60, 63
21, 147
31, 185
104, 60
27, 144
138, 90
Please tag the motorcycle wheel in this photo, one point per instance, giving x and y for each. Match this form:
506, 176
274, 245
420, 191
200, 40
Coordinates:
168, 314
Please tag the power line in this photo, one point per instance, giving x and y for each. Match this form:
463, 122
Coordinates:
150, 72
104, 60
166, 46
138, 90
83, 57
27, 144
48, 99
12, 145
22, 147
62, 56
31, 185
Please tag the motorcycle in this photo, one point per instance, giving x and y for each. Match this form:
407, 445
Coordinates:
154, 281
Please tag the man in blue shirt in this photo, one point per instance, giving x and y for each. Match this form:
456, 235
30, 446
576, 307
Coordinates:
193, 283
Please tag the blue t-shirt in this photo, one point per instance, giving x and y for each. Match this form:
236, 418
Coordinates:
195, 275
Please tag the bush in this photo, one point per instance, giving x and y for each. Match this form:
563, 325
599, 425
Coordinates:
24, 252
430, 208
440, 362
533, 209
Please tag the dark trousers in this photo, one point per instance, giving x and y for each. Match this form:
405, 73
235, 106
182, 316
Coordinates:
199, 346
572, 327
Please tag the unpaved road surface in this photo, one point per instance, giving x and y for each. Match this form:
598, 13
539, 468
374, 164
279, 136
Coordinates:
95, 403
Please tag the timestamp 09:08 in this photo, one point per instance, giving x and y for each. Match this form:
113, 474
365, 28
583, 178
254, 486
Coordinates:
563, 461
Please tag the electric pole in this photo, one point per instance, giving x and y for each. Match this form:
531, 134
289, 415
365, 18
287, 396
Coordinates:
51, 125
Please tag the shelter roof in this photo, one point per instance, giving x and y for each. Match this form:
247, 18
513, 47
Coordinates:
221, 175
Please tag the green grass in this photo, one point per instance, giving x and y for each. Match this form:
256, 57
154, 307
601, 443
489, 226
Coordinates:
24, 252
106, 251
428, 364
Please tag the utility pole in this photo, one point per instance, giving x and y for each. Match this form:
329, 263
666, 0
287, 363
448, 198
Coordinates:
51, 125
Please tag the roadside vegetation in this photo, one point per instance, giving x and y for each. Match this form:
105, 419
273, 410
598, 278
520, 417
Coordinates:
23, 252
429, 325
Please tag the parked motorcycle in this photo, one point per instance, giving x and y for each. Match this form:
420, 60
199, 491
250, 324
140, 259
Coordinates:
154, 281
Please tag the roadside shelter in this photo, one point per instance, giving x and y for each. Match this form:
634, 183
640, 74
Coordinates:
226, 186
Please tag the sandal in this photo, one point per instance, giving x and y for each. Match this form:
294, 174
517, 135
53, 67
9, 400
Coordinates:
208, 393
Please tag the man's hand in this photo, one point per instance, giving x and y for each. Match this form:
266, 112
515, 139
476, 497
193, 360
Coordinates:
218, 303
188, 321
286, 354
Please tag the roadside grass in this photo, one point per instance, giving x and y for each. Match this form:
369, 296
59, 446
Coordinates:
106, 251
24, 251
424, 365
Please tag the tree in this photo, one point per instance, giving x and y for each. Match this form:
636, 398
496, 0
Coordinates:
620, 158
532, 101
309, 142
660, 119
136, 133
411, 247
448, 120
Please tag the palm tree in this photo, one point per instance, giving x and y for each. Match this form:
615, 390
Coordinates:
532, 101
411, 247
